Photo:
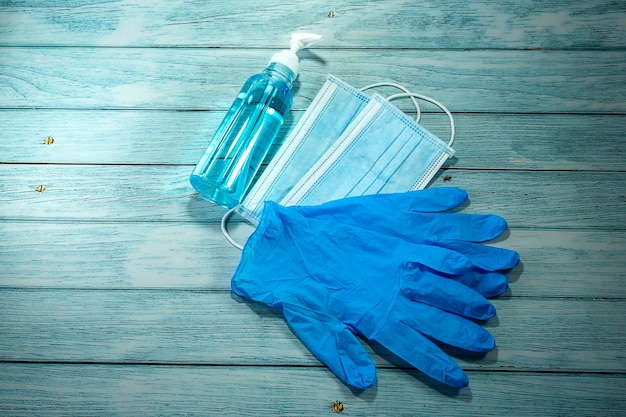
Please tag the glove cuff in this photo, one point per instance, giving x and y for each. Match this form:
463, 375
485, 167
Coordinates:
258, 252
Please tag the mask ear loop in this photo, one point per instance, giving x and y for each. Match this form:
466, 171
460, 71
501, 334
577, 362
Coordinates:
225, 232
436, 103
402, 88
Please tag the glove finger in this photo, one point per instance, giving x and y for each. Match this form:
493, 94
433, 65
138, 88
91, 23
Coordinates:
437, 258
333, 344
420, 352
456, 226
485, 257
487, 284
430, 200
434, 200
422, 285
445, 327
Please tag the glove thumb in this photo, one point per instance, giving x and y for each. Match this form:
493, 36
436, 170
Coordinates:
334, 344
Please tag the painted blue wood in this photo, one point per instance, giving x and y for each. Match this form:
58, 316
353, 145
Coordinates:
528, 199
515, 141
105, 390
562, 81
112, 255
114, 293
217, 328
344, 23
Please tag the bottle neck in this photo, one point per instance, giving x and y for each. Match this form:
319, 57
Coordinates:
283, 72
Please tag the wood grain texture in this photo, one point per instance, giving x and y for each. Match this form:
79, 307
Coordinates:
162, 193
104, 255
218, 328
195, 79
483, 141
61, 390
344, 23
114, 276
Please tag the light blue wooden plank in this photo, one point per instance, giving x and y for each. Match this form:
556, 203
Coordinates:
116, 255
249, 23
466, 81
218, 328
555, 263
62, 390
163, 193
504, 141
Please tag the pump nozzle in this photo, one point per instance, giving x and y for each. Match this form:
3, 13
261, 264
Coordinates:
303, 40
288, 57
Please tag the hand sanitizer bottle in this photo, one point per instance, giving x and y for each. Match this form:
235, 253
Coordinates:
241, 142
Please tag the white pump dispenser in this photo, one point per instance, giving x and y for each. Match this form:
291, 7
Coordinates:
289, 58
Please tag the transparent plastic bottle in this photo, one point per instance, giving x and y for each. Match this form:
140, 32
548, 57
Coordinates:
243, 139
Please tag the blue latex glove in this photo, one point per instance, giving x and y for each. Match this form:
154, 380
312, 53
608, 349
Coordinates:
410, 216
333, 279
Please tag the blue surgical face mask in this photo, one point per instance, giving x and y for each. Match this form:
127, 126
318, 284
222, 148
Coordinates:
381, 151
348, 144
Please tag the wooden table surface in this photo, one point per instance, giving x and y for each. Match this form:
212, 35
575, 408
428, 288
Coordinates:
114, 276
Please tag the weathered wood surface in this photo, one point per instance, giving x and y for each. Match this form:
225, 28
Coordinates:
546, 142
104, 390
217, 328
114, 276
162, 193
112, 255
195, 79
344, 23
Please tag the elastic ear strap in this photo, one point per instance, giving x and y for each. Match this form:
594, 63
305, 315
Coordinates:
436, 103
399, 87
225, 232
